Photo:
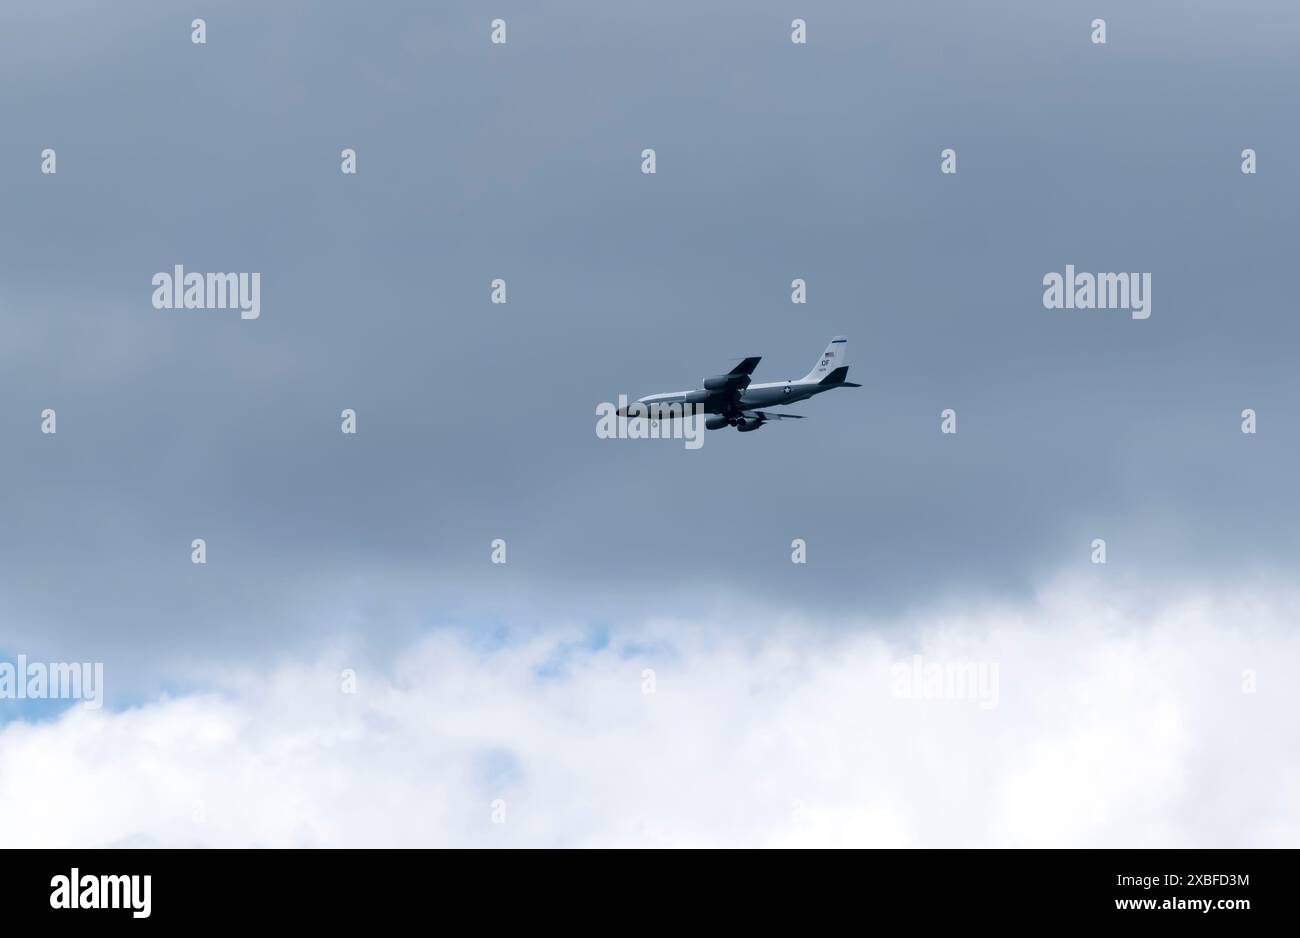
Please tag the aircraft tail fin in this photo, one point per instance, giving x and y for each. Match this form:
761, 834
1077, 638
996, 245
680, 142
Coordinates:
832, 366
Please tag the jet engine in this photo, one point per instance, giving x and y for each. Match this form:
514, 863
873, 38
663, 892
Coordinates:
726, 382
747, 424
716, 422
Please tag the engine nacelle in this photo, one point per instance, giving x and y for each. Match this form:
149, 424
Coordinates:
750, 423
716, 422
726, 382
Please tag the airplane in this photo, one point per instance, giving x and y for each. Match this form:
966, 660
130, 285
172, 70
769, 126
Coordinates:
731, 400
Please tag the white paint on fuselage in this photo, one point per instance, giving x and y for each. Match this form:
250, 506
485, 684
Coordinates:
754, 396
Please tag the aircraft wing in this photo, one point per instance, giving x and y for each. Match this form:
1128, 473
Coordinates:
768, 415
746, 366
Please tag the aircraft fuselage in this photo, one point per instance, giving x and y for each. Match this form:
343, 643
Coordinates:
753, 397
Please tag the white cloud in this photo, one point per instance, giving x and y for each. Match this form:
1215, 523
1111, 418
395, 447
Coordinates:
1118, 722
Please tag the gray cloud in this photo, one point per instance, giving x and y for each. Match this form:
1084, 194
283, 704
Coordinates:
477, 421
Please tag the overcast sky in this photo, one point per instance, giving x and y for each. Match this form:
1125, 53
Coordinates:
477, 421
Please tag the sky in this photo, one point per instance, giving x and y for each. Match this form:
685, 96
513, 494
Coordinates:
773, 719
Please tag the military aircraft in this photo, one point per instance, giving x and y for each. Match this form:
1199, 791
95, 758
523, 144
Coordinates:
732, 400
